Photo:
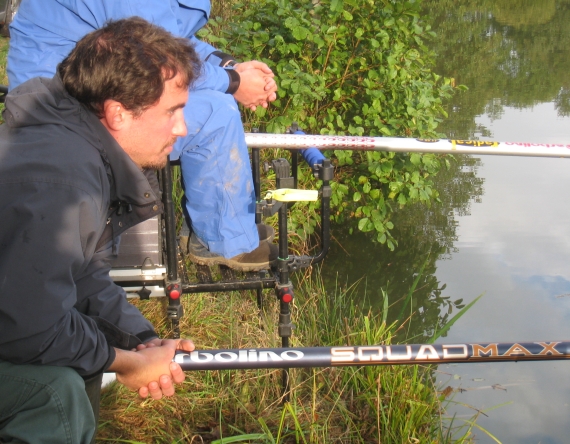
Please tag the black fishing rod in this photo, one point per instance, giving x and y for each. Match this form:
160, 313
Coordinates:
304, 357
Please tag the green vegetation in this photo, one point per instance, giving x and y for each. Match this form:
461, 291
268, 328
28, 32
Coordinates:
3, 54
348, 67
388, 404
343, 68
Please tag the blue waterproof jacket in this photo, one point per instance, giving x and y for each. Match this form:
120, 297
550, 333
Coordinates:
64, 22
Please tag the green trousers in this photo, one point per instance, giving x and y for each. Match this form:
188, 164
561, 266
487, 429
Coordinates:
45, 405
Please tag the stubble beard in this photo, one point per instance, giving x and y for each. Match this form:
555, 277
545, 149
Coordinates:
160, 163
156, 165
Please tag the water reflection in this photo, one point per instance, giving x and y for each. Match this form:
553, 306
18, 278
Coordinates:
424, 236
513, 53
507, 235
515, 248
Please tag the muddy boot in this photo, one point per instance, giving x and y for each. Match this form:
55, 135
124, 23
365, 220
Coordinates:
259, 259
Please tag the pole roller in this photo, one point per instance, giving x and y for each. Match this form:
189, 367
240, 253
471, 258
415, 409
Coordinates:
304, 357
407, 145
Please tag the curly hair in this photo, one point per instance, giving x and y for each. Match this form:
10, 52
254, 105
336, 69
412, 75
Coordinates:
129, 61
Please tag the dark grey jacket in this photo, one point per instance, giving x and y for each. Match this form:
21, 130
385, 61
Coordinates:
62, 179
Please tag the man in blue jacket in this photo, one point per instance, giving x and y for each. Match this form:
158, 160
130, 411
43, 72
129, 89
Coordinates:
72, 153
216, 171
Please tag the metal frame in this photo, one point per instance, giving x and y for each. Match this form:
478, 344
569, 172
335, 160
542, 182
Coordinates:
169, 278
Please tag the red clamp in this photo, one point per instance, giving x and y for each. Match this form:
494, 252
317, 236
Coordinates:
173, 291
286, 294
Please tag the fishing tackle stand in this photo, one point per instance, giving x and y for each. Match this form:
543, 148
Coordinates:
166, 274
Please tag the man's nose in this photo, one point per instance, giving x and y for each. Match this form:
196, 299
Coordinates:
179, 128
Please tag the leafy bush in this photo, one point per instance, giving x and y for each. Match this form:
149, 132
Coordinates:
356, 67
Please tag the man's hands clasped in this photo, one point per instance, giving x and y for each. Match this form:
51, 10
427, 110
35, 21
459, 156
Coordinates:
257, 84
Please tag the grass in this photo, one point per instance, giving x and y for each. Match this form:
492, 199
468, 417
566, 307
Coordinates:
3, 76
387, 404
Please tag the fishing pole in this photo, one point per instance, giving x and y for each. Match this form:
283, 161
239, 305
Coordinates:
304, 357
408, 145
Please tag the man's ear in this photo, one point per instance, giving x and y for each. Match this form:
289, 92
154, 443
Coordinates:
115, 116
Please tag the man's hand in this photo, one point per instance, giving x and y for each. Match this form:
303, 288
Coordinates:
257, 84
150, 369
165, 384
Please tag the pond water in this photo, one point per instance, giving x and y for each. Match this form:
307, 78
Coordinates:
503, 229
515, 248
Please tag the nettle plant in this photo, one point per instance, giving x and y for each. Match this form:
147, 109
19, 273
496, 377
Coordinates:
356, 67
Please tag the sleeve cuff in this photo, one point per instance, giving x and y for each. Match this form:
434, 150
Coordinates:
146, 336
110, 359
219, 58
234, 81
